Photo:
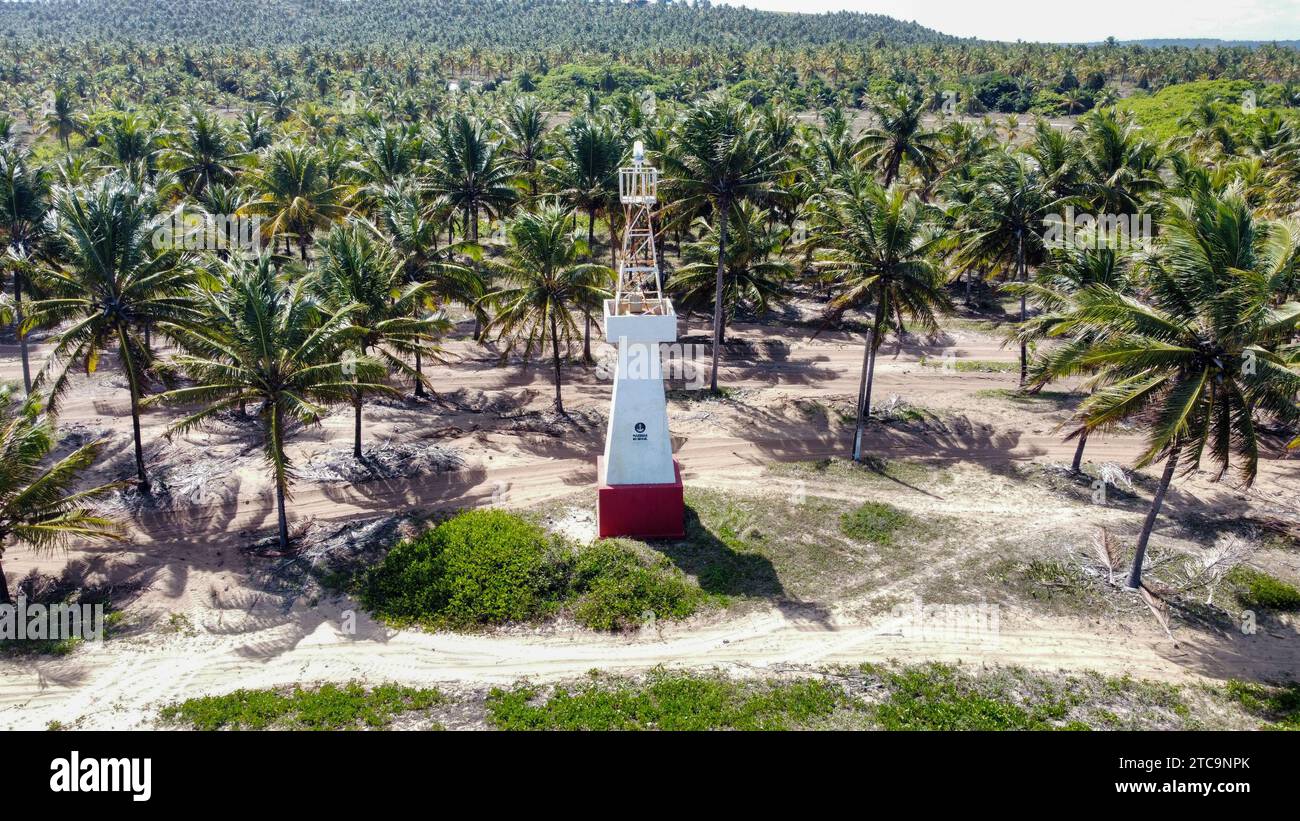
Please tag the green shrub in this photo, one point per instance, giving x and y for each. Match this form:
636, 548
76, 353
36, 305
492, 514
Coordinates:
616, 588
876, 522
1258, 589
939, 697
666, 702
480, 567
492, 567
1280, 705
328, 707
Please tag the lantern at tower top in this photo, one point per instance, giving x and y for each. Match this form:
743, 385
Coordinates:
639, 290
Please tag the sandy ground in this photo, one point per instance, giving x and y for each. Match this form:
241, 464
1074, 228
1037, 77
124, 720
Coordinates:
187, 558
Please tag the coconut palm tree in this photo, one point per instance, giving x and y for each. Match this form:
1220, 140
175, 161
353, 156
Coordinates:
756, 274
1066, 272
203, 153
295, 194
524, 124
470, 174
1001, 223
899, 136
107, 282
876, 244
719, 159
584, 172
268, 343
24, 200
413, 232
357, 268
63, 119
542, 284
1203, 357
39, 504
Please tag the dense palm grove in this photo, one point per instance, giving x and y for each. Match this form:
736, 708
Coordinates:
389, 202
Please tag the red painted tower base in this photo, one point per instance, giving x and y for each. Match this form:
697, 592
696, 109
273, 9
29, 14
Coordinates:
641, 511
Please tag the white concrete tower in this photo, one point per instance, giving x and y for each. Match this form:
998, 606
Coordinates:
640, 483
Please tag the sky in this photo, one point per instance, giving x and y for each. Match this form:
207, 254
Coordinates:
1070, 21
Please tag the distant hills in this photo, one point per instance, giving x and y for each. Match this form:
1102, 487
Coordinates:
612, 26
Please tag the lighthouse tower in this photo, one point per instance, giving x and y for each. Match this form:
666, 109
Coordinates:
639, 481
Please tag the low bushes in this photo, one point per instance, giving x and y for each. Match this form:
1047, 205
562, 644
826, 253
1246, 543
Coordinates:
328, 707
1257, 589
489, 567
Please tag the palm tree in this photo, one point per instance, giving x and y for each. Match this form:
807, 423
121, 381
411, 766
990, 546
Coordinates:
542, 283
585, 173
130, 144
108, 282
1067, 272
756, 275
295, 194
268, 342
63, 119
899, 136
24, 200
39, 506
358, 269
413, 232
471, 175
877, 245
1002, 221
203, 154
525, 129
1202, 359
1117, 169
719, 160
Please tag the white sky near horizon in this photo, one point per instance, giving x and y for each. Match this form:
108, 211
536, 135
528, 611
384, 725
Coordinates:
1066, 21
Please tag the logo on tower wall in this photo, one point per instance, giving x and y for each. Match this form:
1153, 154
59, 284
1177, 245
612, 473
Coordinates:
639, 435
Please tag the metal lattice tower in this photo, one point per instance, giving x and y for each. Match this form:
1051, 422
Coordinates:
639, 288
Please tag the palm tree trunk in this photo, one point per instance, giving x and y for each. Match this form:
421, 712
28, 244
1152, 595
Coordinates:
723, 207
18, 330
555, 354
1078, 452
1021, 274
356, 426
133, 388
1135, 575
419, 374
4, 586
586, 341
280, 515
864, 387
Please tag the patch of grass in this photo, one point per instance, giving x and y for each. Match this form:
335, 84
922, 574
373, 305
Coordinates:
1040, 398
870, 469
327, 707
114, 621
879, 523
939, 697
1061, 585
972, 365
666, 702
1255, 588
1280, 706
945, 697
179, 623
